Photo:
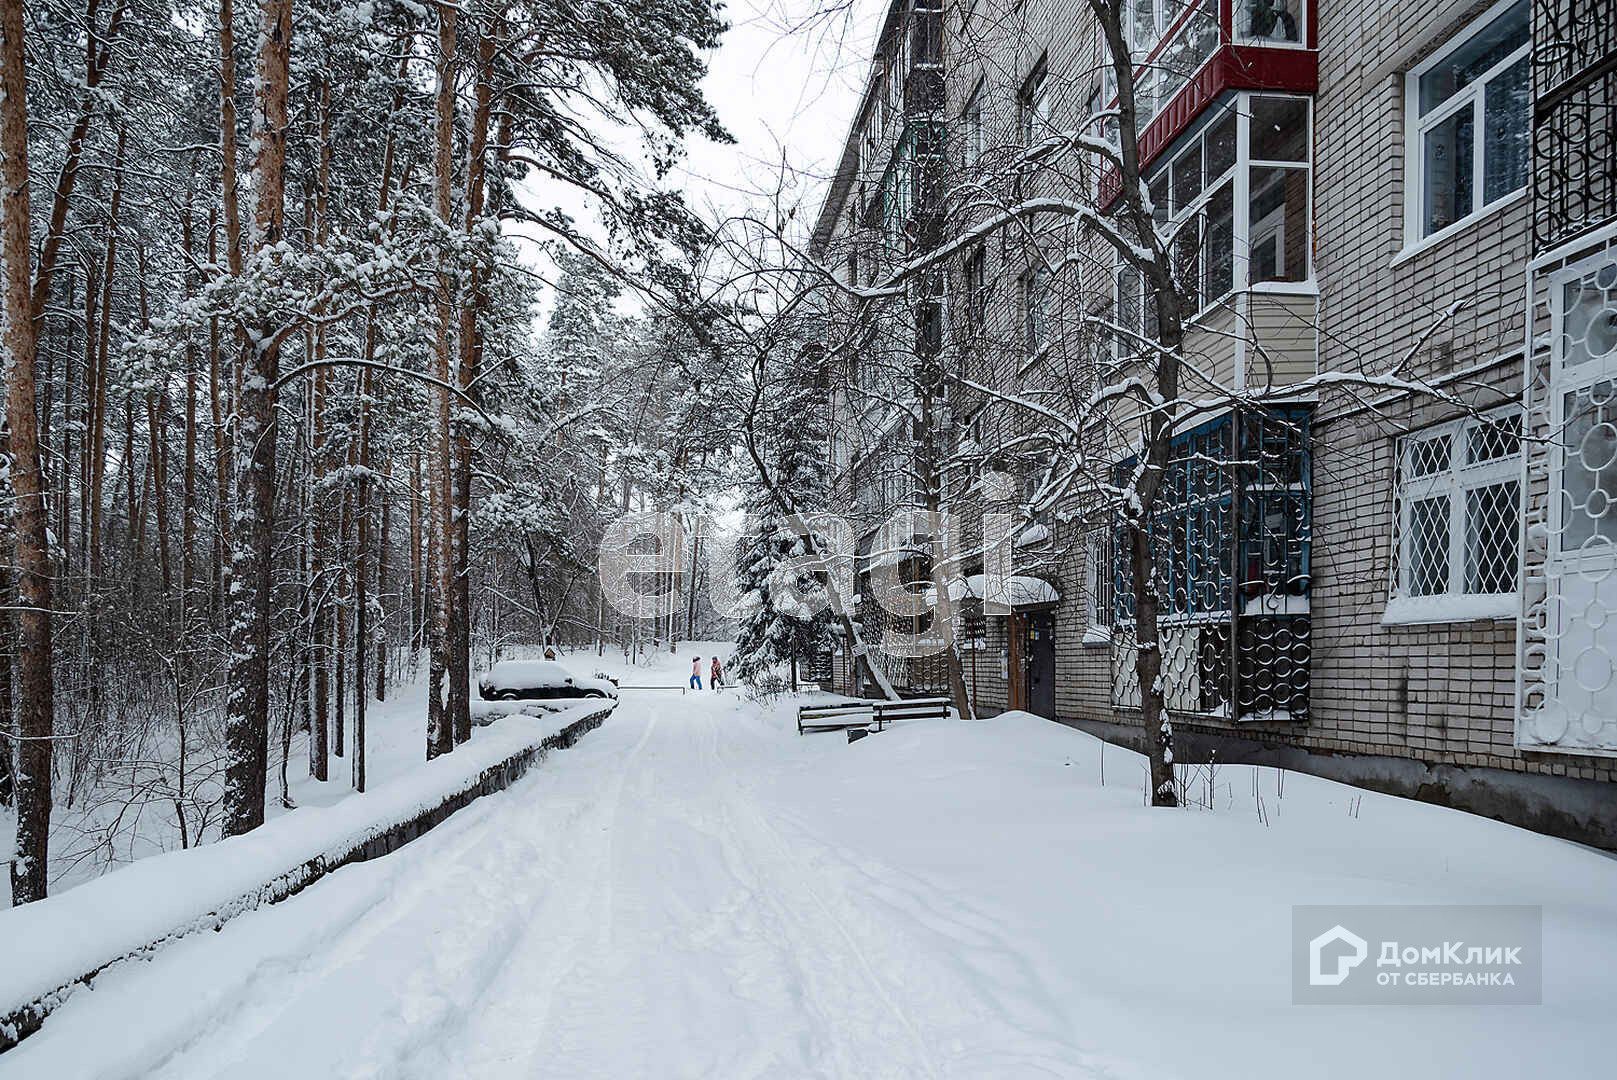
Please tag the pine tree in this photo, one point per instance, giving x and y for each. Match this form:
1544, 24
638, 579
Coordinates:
785, 614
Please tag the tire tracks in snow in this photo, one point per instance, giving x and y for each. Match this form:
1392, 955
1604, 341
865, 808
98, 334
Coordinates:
519, 999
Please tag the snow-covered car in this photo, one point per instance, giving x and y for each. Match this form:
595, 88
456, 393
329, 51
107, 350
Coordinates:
514, 680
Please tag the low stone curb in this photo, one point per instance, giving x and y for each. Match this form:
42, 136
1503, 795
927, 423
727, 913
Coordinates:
23, 1022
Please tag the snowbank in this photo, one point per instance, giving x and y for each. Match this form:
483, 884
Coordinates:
53, 946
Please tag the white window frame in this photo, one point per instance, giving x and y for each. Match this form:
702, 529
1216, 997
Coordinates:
1245, 163
1033, 105
1097, 568
1454, 482
1035, 286
1416, 127
1169, 15
972, 124
1239, 35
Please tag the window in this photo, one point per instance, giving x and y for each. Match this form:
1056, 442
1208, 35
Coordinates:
1468, 123
1035, 106
1231, 535
972, 125
1270, 22
1035, 314
926, 33
976, 305
1097, 591
1254, 150
931, 298
1186, 39
1457, 516
1147, 22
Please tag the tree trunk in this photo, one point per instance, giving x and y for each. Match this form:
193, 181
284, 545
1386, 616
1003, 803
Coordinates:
362, 520
320, 546
218, 414
471, 351
384, 529
98, 407
97, 58
417, 601
35, 717
247, 711
8, 728
188, 491
442, 718
227, 135
1158, 424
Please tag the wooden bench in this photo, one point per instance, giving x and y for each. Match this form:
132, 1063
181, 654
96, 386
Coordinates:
934, 708
838, 717
874, 715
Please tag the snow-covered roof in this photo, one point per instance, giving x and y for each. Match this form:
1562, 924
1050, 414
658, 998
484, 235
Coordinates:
1035, 533
1021, 590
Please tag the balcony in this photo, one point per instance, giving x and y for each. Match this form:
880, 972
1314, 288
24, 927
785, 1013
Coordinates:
1190, 55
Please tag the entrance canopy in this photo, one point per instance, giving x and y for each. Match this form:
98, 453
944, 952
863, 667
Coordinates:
1020, 590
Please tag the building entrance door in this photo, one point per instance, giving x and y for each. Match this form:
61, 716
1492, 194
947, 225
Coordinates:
1041, 663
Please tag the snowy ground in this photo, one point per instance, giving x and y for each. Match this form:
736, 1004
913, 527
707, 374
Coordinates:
117, 823
693, 890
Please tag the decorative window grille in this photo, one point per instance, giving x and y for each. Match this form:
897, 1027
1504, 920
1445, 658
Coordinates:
1567, 641
1231, 542
1574, 138
1456, 519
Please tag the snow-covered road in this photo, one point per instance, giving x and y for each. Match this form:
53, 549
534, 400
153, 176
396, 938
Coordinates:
631, 909
694, 891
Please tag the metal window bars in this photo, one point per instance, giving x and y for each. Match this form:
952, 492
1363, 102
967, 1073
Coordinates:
1232, 543
1456, 513
1574, 118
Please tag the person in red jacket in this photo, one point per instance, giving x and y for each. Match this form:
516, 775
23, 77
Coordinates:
696, 673
716, 675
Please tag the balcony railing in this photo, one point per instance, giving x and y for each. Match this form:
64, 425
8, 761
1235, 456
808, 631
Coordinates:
1574, 119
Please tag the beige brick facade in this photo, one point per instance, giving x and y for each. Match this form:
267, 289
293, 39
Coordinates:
1435, 697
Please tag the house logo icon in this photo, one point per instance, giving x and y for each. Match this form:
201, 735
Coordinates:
1342, 961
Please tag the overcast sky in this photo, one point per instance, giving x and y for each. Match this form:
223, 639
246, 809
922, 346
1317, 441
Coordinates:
785, 81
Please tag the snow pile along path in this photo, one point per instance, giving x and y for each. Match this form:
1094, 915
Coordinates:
52, 944
696, 891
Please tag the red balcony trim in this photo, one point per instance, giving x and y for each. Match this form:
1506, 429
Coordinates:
1232, 67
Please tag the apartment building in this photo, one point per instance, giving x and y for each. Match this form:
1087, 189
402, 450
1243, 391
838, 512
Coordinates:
1385, 548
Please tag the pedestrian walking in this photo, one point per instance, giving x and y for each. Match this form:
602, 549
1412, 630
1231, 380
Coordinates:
716, 675
696, 673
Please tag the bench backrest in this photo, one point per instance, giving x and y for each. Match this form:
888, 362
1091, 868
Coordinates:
912, 709
819, 712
